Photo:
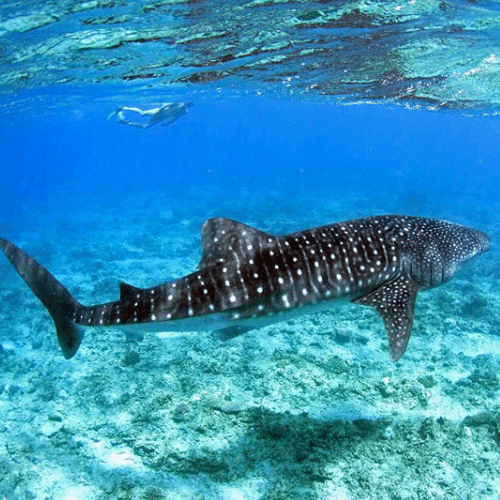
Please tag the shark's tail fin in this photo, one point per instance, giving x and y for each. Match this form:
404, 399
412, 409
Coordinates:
54, 296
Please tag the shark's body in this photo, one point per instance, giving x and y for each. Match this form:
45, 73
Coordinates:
248, 278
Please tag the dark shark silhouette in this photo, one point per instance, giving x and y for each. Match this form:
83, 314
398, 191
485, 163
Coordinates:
247, 278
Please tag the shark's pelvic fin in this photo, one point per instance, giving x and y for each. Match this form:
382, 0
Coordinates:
53, 295
230, 332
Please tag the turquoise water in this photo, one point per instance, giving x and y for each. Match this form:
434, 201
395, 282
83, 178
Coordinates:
305, 113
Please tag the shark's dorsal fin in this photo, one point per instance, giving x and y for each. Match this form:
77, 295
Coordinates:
394, 301
129, 292
223, 240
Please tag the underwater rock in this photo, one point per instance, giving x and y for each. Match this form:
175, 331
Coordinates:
388, 433
486, 372
342, 338
51, 427
134, 337
37, 343
124, 489
386, 388
131, 358
362, 339
14, 389
7, 347
153, 493
478, 419
475, 307
231, 407
427, 381
180, 412
47, 391
420, 393
428, 429
337, 365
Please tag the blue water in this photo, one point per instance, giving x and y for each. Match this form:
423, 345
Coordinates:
252, 152
305, 114
98, 202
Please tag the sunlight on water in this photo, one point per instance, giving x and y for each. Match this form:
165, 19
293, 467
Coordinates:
440, 54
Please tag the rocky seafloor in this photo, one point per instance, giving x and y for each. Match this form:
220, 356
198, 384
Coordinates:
307, 409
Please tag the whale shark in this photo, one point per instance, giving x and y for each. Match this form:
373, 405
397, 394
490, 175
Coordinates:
248, 278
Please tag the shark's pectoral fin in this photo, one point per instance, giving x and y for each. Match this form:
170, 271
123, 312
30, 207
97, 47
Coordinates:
395, 302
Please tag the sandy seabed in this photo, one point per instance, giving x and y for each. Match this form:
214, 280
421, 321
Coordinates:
306, 409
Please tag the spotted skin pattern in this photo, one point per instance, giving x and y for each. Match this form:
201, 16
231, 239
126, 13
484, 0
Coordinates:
247, 278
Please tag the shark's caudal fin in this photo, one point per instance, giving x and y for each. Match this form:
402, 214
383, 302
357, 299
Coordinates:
53, 295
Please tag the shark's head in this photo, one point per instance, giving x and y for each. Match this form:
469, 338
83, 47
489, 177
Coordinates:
438, 253
478, 242
466, 244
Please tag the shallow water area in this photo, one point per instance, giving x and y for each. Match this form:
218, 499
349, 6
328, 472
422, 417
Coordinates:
186, 416
280, 139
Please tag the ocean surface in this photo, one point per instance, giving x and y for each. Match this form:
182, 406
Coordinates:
304, 114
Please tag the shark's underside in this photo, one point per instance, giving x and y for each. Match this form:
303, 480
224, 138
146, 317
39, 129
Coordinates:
247, 278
